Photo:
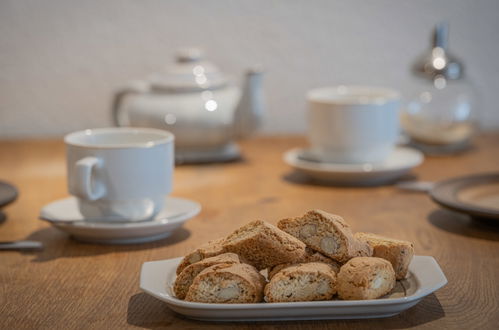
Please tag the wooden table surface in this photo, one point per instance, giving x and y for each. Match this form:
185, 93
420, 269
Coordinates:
77, 285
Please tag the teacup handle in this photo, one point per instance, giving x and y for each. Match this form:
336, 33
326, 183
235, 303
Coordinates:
136, 87
83, 172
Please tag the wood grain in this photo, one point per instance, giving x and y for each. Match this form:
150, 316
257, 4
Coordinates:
75, 285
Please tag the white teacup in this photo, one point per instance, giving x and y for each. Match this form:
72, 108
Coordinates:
120, 173
353, 124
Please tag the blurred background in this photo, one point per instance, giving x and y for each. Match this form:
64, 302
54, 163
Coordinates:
61, 60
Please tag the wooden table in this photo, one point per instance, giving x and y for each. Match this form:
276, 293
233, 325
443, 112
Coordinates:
76, 285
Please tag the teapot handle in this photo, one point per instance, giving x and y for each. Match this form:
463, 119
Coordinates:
136, 87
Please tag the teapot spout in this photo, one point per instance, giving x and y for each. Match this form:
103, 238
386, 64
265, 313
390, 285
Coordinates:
249, 113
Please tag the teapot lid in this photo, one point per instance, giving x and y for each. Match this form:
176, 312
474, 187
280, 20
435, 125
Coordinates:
190, 73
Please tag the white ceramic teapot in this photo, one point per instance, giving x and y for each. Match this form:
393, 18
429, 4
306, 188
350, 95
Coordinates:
197, 103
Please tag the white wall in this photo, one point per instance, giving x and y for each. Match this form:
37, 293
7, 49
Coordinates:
61, 59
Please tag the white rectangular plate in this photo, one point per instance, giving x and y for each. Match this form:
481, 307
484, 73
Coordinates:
425, 277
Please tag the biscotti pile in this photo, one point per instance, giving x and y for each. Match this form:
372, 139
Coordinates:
308, 258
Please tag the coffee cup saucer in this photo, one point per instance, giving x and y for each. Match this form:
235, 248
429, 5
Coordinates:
398, 163
64, 214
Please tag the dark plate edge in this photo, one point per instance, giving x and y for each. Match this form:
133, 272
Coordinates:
444, 193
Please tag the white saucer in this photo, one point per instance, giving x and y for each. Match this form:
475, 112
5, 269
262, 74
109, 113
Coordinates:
64, 215
224, 153
401, 161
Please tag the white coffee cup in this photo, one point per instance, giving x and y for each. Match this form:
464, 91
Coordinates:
353, 124
120, 173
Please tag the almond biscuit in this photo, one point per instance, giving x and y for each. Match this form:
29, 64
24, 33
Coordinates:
210, 249
398, 252
227, 283
185, 278
326, 233
365, 278
302, 282
264, 245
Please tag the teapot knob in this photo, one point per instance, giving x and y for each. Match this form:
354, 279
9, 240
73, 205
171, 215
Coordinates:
189, 55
